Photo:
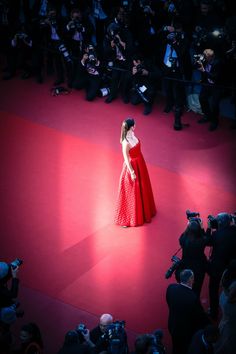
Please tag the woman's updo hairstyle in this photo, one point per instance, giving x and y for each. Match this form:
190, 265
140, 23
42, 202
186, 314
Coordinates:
126, 125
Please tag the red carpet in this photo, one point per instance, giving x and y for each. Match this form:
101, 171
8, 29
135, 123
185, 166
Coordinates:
60, 164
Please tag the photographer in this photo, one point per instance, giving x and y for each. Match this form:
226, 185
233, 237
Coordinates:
223, 243
88, 74
174, 60
193, 243
116, 53
97, 333
143, 81
8, 295
186, 314
77, 342
53, 30
149, 343
19, 54
211, 70
110, 336
78, 33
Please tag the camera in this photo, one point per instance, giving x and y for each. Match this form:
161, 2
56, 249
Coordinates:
16, 263
76, 25
139, 68
21, 35
92, 57
116, 338
176, 261
198, 60
81, 330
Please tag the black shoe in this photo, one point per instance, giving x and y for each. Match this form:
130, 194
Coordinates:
25, 75
39, 79
8, 76
147, 110
213, 126
58, 82
126, 100
109, 99
178, 126
203, 120
167, 109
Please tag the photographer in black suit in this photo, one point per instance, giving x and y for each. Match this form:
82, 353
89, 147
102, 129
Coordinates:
88, 73
186, 314
211, 69
193, 242
143, 81
116, 56
174, 58
223, 242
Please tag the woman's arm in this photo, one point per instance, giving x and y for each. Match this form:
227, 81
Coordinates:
125, 150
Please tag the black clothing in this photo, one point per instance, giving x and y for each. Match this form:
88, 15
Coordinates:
194, 258
7, 295
173, 67
143, 87
212, 76
75, 348
186, 316
199, 346
88, 76
223, 244
96, 337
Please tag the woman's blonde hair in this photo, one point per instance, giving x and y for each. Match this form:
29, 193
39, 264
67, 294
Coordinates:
125, 127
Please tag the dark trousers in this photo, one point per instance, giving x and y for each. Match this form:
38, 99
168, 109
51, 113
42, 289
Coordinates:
119, 81
214, 284
91, 83
210, 109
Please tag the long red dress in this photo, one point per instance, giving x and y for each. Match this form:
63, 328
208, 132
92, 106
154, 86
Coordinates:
135, 204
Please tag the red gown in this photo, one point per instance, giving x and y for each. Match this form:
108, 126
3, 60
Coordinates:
135, 204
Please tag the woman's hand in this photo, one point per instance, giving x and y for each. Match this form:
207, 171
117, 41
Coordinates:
133, 175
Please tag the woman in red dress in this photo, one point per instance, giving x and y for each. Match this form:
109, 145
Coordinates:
135, 204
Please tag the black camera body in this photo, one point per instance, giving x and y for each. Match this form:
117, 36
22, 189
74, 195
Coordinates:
176, 261
139, 68
198, 60
76, 26
115, 337
16, 263
81, 330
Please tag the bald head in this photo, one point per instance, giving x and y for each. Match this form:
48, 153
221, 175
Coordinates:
105, 320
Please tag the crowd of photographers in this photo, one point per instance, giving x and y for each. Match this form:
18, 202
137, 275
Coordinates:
131, 48
108, 336
193, 329
186, 314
